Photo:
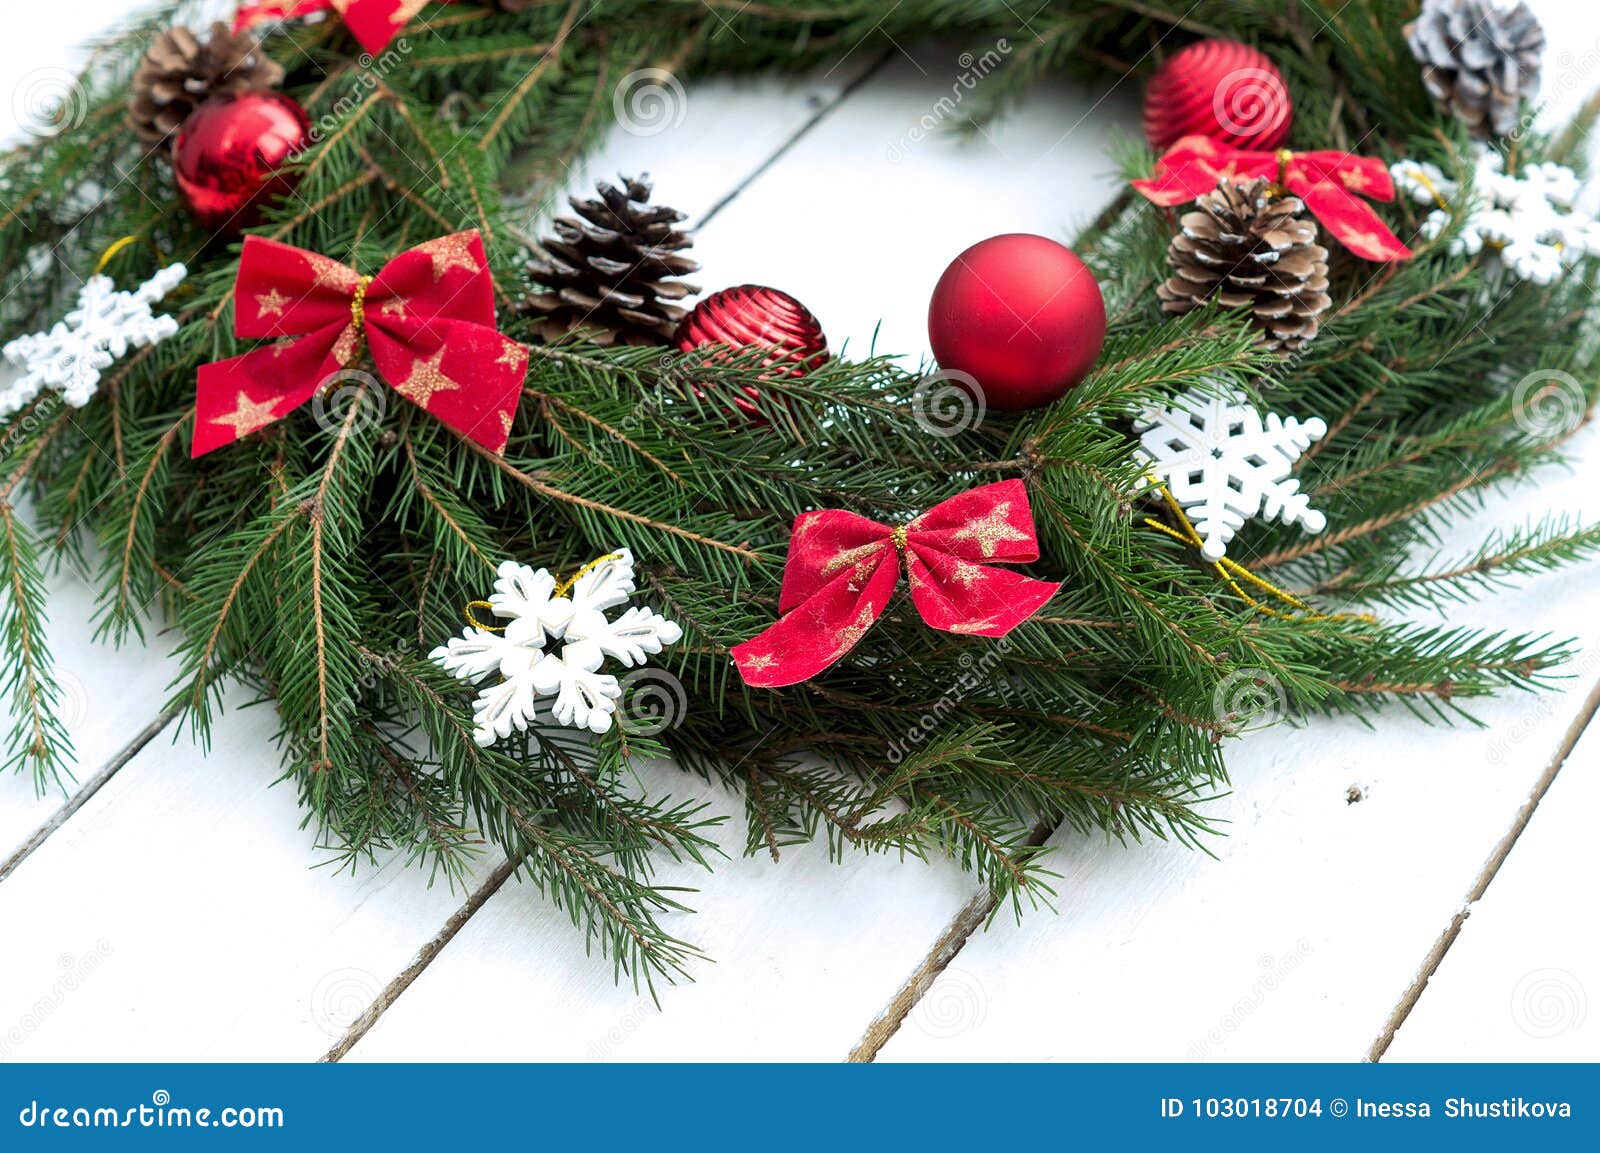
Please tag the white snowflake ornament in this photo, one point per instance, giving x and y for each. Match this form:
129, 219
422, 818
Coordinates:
1529, 219
72, 355
1223, 463
527, 599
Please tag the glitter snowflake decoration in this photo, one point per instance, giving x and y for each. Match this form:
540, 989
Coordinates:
1529, 219
1223, 462
538, 615
72, 355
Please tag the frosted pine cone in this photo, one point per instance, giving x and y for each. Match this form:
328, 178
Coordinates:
1480, 59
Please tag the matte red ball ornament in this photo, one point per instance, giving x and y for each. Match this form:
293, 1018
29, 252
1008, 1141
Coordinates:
229, 153
751, 316
1022, 316
1222, 90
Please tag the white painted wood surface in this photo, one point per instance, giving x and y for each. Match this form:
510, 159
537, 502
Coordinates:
1523, 981
176, 914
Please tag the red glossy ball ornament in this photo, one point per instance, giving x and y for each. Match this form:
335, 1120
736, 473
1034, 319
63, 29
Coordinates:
1222, 90
1022, 316
229, 154
751, 316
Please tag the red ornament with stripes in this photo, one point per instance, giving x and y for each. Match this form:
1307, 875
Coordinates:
1222, 90
751, 316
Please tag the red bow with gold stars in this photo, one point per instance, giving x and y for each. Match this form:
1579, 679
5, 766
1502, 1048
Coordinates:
372, 22
843, 568
1330, 183
428, 319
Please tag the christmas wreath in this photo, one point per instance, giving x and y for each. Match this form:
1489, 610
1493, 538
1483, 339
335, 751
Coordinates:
400, 469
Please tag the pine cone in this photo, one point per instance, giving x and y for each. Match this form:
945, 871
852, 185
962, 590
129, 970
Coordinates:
1245, 246
608, 273
180, 71
1480, 60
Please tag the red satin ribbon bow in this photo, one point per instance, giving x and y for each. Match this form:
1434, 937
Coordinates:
372, 22
1330, 183
428, 319
843, 568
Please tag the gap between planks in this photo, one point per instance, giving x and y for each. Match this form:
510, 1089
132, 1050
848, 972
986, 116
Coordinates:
823, 111
965, 923
90, 787
982, 907
1497, 858
425, 956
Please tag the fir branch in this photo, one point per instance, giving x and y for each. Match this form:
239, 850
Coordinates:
38, 739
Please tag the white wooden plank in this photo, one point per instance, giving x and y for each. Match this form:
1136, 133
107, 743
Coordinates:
806, 951
177, 914
108, 698
1297, 943
1522, 981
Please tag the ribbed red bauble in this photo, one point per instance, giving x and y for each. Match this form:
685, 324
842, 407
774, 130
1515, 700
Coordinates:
228, 156
1021, 315
1222, 90
751, 316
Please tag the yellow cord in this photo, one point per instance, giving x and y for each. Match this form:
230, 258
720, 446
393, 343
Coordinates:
475, 622
560, 590
1231, 572
566, 586
1422, 179
109, 254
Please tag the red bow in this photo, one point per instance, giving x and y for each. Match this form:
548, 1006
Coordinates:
1330, 183
428, 318
842, 569
373, 22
